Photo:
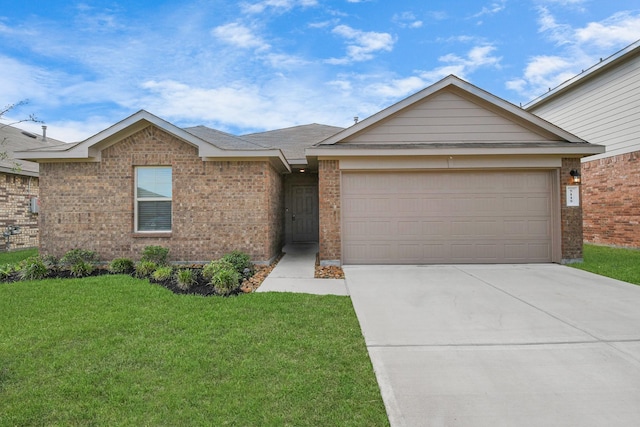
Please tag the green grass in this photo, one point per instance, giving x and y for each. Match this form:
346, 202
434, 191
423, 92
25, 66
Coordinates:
621, 264
15, 256
114, 350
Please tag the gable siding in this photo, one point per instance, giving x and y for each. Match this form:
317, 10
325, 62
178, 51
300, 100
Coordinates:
604, 110
446, 118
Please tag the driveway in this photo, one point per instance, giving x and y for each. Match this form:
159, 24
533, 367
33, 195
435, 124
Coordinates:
501, 345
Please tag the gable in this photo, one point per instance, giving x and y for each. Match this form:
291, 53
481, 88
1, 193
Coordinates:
448, 116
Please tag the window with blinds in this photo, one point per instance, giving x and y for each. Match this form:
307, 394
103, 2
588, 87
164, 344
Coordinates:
153, 198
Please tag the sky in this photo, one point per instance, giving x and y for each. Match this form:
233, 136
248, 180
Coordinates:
256, 65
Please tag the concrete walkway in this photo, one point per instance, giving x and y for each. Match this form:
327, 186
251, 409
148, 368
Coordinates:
295, 271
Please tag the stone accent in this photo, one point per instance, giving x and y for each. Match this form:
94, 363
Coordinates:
218, 206
611, 188
16, 192
329, 198
570, 216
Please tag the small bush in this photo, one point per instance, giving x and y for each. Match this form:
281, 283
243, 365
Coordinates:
162, 274
185, 278
222, 275
145, 269
81, 269
76, 256
7, 270
156, 254
241, 262
122, 266
51, 261
33, 268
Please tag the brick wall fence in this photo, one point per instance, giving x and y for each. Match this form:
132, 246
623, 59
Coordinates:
218, 206
329, 207
611, 189
16, 192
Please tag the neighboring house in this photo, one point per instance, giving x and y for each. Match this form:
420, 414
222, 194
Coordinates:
602, 105
19, 188
451, 174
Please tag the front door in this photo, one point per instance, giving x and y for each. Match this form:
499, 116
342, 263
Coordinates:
304, 215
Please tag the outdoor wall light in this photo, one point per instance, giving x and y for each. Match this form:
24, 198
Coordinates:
575, 176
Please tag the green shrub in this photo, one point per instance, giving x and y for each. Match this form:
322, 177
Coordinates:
222, 275
51, 261
82, 269
7, 270
76, 256
156, 254
162, 274
122, 266
145, 269
185, 278
33, 268
241, 262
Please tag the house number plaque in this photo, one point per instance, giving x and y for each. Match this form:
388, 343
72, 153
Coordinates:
573, 195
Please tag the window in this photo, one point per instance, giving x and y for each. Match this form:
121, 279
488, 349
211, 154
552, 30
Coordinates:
153, 199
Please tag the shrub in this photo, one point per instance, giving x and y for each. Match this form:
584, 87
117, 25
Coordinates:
162, 274
185, 278
76, 256
156, 254
81, 269
122, 266
51, 261
145, 269
7, 270
222, 275
32, 268
241, 262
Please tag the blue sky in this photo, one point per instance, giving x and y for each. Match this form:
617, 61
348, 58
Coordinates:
245, 66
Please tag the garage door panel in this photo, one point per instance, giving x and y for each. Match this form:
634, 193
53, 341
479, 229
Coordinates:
448, 217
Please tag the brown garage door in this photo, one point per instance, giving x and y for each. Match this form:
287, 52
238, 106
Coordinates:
446, 217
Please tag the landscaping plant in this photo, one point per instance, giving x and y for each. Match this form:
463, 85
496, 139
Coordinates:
162, 274
32, 268
80, 262
241, 262
156, 254
185, 278
223, 276
145, 269
122, 266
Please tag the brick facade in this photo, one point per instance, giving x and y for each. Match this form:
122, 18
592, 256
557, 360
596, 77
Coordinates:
16, 192
570, 216
218, 206
612, 200
329, 199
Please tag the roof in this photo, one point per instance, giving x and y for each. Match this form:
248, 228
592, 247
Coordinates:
13, 139
294, 140
605, 64
210, 143
561, 141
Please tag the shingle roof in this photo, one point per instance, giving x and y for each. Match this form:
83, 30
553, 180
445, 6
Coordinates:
224, 140
14, 139
294, 140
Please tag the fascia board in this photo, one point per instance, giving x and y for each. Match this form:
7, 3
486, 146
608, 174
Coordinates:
275, 157
586, 150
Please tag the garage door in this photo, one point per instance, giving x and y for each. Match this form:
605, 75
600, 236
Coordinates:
446, 217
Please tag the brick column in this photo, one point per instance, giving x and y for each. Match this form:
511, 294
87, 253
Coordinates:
329, 198
570, 216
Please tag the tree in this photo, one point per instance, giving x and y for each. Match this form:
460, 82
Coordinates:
30, 118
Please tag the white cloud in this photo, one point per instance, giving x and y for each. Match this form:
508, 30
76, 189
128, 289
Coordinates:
407, 20
276, 5
492, 9
581, 48
361, 45
239, 35
398, 88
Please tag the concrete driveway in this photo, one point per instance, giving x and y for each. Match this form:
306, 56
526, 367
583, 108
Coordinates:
507, 345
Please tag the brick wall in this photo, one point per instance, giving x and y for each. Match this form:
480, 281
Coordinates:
611, 189
15, 200
570, 216
218, 206
329, 204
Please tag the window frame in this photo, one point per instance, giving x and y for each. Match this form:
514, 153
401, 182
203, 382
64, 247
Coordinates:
138, 200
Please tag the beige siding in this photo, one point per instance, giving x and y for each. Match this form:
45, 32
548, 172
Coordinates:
446, 117
603, 110
447, 217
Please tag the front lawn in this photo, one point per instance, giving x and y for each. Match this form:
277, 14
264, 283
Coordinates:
621, 264
15, 256
114, 350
